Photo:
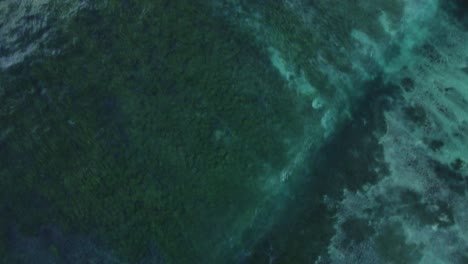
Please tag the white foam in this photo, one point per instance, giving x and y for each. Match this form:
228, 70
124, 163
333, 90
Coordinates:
406, 151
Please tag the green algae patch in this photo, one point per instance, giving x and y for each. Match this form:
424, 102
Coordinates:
148, 128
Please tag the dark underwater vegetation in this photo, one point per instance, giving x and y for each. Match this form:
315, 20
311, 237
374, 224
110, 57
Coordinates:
233, 131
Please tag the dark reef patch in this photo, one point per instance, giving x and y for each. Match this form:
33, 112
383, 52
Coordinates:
350, 158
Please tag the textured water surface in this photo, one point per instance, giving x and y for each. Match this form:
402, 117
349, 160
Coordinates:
234, 131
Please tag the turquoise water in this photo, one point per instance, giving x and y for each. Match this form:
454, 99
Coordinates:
233, 131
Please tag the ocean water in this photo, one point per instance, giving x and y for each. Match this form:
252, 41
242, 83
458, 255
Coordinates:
234, 131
